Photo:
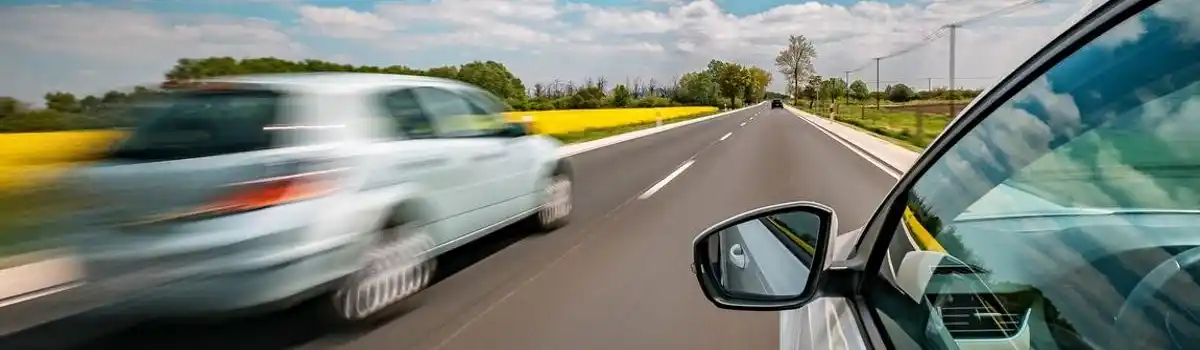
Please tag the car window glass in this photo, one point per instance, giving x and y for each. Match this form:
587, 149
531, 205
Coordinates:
454, 116
486, 102
193, 124
410, 120
1070, 216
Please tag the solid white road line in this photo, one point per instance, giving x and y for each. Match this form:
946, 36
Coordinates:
665, 180
577, 148
886, 169
727, 135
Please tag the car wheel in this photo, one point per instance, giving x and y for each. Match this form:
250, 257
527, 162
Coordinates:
394, 268
557, 202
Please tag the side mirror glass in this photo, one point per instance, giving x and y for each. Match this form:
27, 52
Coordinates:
513, 130
769, 258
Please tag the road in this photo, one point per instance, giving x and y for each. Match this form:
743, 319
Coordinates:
618, 276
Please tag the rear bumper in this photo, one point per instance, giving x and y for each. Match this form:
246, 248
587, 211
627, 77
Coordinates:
242, 292
227, 264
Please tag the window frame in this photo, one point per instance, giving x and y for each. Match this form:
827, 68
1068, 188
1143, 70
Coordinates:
868, 255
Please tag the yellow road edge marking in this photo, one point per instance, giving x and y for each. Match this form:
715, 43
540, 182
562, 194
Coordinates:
792, 236
921, 234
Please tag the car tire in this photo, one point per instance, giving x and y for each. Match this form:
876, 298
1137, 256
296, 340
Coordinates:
393, 269
557, 202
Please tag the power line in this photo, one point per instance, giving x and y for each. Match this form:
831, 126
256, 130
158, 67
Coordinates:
942, 31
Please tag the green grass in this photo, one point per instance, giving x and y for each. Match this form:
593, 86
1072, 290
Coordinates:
25, 218
599, 133
895, 126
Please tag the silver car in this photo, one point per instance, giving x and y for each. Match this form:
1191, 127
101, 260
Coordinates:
1061, 210
256, 192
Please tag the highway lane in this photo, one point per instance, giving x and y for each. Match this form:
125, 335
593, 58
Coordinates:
618, 275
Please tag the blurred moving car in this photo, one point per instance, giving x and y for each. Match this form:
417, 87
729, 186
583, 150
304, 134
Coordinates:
776, 103
1058, 211
256, 192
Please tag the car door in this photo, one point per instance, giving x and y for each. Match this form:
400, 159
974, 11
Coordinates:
409, 152
519, 178
471, 136
1059, 210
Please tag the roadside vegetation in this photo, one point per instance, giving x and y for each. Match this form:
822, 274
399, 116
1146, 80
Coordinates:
899, 113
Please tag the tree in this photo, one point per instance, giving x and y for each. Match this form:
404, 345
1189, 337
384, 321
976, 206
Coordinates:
832, 89
859, 90
493, 77
760, 79
795, 62
621, 96
899, 93
697, 88
62, 102
812, 89
732, 79
10, 106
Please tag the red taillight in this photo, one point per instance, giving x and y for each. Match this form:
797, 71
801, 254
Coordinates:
260, 195
256, 195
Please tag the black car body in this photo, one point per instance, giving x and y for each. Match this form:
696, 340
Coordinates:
776, 104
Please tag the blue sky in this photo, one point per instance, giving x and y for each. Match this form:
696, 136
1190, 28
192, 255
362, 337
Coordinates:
92, 46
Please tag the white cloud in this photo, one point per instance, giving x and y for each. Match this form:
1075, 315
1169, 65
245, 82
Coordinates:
119, 47
540, 40
343, 22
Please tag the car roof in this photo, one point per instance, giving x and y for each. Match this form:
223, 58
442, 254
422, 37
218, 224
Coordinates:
335, 81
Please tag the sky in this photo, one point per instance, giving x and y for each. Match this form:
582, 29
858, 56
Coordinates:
89, 47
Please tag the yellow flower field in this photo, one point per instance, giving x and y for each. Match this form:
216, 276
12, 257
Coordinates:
568, 121
27, 157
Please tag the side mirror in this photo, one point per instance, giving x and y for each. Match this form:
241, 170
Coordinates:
770, 258
513, 130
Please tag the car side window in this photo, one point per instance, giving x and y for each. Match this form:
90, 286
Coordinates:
454, 116
1068, 217
408, 117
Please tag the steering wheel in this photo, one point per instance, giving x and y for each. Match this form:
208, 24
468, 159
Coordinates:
1135, 313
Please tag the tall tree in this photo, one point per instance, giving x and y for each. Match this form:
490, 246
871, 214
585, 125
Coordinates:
859, 90
795, 62
760, 79
732, 79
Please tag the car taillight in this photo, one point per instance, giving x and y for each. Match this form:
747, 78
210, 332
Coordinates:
267, 193
258, 194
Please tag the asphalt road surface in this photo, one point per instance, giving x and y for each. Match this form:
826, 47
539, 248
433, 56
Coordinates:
617, 277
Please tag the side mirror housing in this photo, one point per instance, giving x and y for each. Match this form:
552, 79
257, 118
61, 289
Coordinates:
513, 130
771, 258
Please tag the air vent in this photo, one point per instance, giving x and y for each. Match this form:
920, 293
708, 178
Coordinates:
968, 316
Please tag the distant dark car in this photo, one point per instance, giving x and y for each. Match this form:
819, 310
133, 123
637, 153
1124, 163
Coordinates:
776, 104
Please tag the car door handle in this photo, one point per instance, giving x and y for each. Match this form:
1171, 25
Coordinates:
737, 256
488, 156
421, 163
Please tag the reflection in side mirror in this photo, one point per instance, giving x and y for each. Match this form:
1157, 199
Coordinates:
765, 259
514, 130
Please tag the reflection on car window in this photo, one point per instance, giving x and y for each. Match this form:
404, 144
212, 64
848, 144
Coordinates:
454, 116
189, 124
407, 114
1043, 224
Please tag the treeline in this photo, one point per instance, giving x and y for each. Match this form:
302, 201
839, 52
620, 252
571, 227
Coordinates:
818, 90
722, 84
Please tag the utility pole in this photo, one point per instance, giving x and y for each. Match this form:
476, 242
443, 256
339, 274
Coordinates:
877, 90
952, 27
846, 91
930, 84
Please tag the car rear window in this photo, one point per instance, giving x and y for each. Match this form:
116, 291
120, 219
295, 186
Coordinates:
193, 124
